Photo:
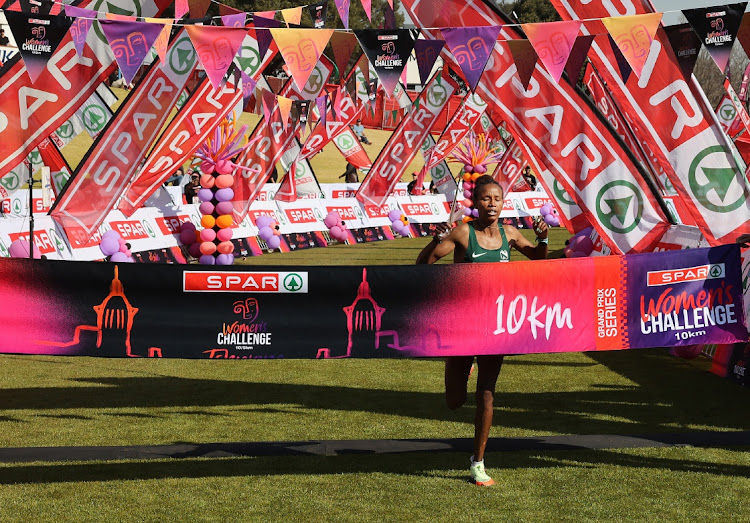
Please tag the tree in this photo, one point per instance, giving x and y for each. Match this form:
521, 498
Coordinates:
530, 11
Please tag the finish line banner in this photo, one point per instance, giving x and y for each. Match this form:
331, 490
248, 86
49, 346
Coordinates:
604, 303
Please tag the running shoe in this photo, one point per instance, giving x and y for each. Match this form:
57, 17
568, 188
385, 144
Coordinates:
479, 476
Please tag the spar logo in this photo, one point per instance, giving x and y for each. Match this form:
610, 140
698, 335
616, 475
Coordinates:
255, 214
485, 121
713, 182
182, 99
727, 112
132, 230
417, 209
94, 118
438, 172
305, 215
249, 59
346, 213
373, 211
560, 193
66, 130
182, 57
11, 181
536, 203
42, 240
686, 274
345, 142
4, 253
314, 83
343, 193
267, 282
171, 224
619, 206
123, 7
436, 95
35, 158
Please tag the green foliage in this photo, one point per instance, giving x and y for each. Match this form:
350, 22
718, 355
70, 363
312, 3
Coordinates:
531, 11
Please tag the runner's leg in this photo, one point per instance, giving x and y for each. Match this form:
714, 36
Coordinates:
457, 370
489, 370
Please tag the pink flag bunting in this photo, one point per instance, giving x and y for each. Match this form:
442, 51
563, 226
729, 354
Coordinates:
427, 51
228, 10
342, 7
321, 102
364, 67
198, 8
269, 104
285, 105
367, 5
130, 42
577, 57
335, 103
622, 62
162, 41
301, 49
181, 8
553, 42
471, 46
633, 35
292, 16
233, 20
83, 19
216, 47
343, 45
525, 58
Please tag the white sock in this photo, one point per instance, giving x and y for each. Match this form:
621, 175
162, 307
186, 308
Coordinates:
475, 462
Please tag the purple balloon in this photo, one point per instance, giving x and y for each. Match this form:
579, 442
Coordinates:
205, 195
225, 195
394, 215
111, 233
225, 259
187, 237
110, 245
265, 233
263, 221
546, 209
467, 211
206, 208
119, 257
207, 259
552, 220
331, 219
274, 242
195, 249
475, 213
224, 208
187, 225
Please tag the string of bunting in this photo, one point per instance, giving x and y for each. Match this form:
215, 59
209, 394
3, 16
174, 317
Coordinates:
386, 50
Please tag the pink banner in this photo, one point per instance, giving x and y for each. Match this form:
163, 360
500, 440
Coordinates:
130, 43
216, 47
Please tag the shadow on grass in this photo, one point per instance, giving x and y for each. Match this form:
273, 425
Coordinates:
664, 395
436, 465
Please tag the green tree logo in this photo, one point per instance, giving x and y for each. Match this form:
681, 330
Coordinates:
182, 57
437, 95
314, 83
66, 130
11, 181
728, 112
713, 185
619, 206
560, 194
345, 142
292, 282
149, 230
123, 7
94, 118
249, 59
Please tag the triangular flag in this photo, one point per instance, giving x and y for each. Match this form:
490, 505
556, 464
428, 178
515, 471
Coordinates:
335, 103
427, 51
198, 8
686, 46
181, 8
321, 102
553, 42
301, 49
364, 66
228, 10
162, 41
79, 29
577, 57
388, 51
372, 94
216, 47
122, 36
318, 13
121, 18
342, 7
343, 45
285, 105
234, 20
471, 46
633, 35
743, 34
389, 16
717, 27
268, 15
525, 58
367, 5
263, 36
622, 63
390, 3
269, 104
248, 86
288, 189
37, 36
292, 16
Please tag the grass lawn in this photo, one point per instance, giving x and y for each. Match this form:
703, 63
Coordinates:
58, 401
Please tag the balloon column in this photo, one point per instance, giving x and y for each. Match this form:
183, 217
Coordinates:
215, 239
549, 214
268, 231
580, 245
475, 153
114, 246
336, 226
20, 249
189, 238
399, 222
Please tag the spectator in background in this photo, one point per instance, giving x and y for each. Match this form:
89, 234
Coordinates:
359, 130
176, 178
350, 175
4, 40
274, 175
191, 189
529, 178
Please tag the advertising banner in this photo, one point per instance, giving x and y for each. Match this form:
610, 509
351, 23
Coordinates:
178, 311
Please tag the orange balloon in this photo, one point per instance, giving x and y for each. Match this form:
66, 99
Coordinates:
208, 221
224, 180
466, 219
467, 177
225, 248
208, 247
224, 221
207, 181
474, 176
198, 236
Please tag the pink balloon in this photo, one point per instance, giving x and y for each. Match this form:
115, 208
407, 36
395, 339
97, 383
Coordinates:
576, 254
224, 235
335, 231
119, 257
20, 249
207, 247
224, 208
208, 235
225, 248
207, 181
224, 167
207, 167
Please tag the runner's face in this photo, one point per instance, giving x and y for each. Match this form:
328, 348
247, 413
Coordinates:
488, 200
